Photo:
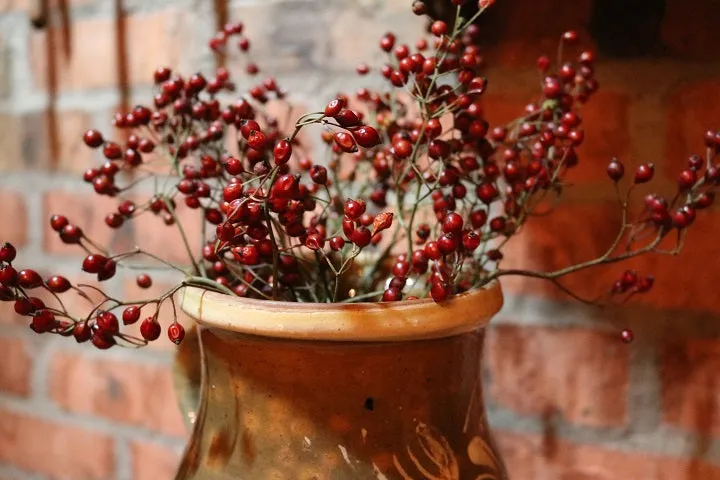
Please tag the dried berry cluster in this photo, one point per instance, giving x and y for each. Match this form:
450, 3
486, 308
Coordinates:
415, 196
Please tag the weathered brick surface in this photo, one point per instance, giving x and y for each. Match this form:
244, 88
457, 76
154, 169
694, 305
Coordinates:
87, 210
128, 392
689, 32
533, 457
154, 237
16, 366
5, 67
690, 374
569, 235
57, 450
518, 40
606, 126
92, 62
690, 113
585, 379
13, 220
151, 461
10, 142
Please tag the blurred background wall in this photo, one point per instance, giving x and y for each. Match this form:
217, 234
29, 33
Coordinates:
567, 398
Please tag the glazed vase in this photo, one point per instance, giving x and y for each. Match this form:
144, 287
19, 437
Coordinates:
298, 391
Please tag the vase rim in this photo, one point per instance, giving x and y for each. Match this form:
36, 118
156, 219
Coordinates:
356, 322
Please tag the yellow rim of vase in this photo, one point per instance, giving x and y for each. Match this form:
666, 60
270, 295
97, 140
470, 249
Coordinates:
357, 322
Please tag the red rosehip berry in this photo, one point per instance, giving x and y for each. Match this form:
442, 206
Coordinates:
687, 179
361, 237
131, 315
645, 284
282, 152
439, 292
432, 250
452, 223
58, 284
392, 294
345, 142
102, 342
337, 243
43, 321
107, 271
93, 138
150, 329
29, 279
439, 28
471, 240
257, 139
644, 173
315, 241
108, 323
162, 74
8, 275
58, 222
348, 118
71, 234
448, 243
176, 333
354, 208
334, 107
82, 332
402, 148
570, 37
93, 263
486, 192
144, 280
7, 252
366, 136
627, 335
543, 63
318, 174
615, 170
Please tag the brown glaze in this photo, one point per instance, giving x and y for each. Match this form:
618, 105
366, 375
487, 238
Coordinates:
279, 408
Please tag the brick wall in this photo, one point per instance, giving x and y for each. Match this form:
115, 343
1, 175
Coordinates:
568, 400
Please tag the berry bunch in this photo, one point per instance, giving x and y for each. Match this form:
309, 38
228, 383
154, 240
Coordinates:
415, 195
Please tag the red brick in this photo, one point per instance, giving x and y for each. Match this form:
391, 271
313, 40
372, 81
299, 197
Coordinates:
690, 114
354, 19
571, 234
10, 142
151, 461
58, 451
519, 37
72, 154
502, 107
528, 457
687, 281
691, 385
127, 392
607, 135
5, 67
581, 374
691, 32
153, 236
153, 39
16, 367
13, 220
87, 210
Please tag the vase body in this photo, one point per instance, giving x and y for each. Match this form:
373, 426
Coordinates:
303, 408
